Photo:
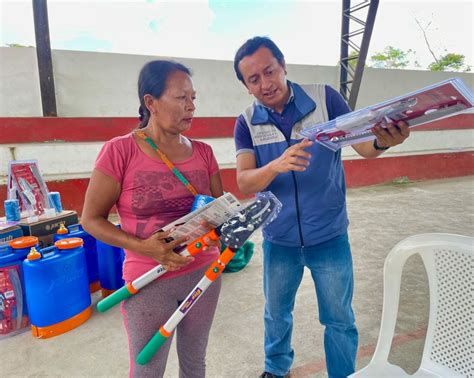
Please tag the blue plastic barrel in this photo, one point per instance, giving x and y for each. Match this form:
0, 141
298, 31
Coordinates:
90, 248
57, 288
110, 261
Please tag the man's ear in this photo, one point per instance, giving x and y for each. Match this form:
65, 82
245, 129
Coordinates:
283, 64
246, 87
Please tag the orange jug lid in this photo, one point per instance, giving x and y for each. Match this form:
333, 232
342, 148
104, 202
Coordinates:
23, 242
69, 243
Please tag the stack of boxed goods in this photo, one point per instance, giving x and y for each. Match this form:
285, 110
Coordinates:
32, 217
48, 263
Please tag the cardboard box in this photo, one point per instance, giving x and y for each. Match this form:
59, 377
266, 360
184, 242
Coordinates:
44, 229
10, 233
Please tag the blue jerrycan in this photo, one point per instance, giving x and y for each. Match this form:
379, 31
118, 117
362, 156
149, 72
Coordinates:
110, 261
90, 248
57, 288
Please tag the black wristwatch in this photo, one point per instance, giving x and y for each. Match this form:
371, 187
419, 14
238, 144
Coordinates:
378, 148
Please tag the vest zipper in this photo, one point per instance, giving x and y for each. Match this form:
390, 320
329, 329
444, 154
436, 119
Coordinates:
300, 232
296, 198
298, 210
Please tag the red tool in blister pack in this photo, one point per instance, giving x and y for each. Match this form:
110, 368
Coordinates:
27, 185
10, 313
438, 101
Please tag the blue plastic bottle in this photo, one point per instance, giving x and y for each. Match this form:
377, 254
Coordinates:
90, 248
57, 288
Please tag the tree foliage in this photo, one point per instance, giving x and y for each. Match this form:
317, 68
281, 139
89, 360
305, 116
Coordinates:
391, 57
449, 62
353, 59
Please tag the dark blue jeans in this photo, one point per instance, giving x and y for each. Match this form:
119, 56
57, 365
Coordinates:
330, 264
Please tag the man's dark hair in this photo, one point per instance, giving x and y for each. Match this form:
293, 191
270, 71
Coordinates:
152, 80
252, 45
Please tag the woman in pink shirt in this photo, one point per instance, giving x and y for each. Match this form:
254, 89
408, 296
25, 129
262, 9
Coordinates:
130, 175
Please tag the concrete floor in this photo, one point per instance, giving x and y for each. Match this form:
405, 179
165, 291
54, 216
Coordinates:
380, 217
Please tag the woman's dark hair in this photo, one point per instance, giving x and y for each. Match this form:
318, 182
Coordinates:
152, 81
252, 45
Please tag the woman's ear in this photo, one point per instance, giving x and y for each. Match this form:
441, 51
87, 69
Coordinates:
149, 103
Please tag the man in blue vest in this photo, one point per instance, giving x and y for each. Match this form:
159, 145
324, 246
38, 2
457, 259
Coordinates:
311, 229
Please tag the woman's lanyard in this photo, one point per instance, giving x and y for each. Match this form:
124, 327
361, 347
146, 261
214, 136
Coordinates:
168, 163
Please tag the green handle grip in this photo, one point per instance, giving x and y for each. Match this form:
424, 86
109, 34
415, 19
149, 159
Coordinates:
116, 297
151, 348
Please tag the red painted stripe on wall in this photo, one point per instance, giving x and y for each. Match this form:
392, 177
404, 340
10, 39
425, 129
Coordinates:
363, 172
359, 173
46, 129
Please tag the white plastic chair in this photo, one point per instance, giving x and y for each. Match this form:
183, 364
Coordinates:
448, 351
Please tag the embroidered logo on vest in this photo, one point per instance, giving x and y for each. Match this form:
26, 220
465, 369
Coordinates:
265, 134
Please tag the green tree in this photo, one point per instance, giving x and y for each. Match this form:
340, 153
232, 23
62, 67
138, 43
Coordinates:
449, 62
391, 57
353, 59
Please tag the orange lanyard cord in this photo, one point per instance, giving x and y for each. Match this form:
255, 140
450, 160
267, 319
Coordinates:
168, 163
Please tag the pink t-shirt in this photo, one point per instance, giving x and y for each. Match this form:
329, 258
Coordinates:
151, 196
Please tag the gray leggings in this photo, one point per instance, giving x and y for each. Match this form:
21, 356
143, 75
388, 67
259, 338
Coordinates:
145, 312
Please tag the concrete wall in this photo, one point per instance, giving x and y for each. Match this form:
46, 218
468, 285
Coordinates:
378, 84
19, 83
104, 85
97, 100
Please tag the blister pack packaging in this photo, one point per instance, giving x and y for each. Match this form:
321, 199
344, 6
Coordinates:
442, 100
